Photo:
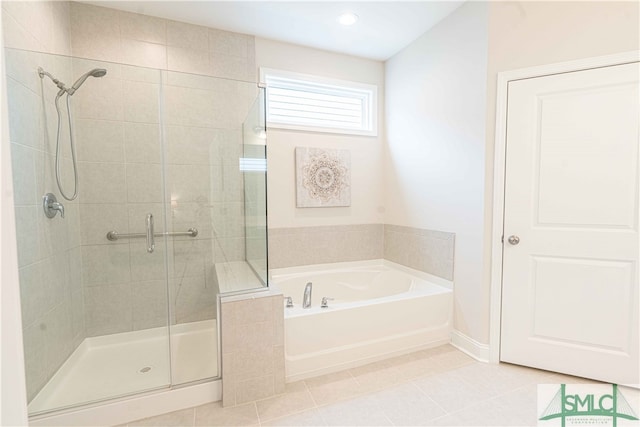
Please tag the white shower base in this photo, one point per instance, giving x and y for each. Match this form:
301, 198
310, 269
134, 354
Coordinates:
110, 366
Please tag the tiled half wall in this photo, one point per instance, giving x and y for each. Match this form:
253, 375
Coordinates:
425, 250
252, 336
290, 247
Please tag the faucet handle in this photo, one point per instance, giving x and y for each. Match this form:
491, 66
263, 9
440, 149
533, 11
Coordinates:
289, 302
325, 302
51, 206
59, 207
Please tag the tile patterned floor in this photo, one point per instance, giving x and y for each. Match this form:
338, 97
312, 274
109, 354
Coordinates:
436, 387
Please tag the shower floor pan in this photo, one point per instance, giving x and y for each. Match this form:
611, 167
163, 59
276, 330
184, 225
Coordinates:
129, 363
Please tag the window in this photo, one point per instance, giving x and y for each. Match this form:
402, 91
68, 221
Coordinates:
304, 102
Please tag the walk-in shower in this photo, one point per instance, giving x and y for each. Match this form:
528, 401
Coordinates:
103, 316
96, 72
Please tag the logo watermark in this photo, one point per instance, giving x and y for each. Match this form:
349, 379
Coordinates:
584, 405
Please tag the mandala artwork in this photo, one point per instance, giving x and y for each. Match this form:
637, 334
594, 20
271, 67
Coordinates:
323, 177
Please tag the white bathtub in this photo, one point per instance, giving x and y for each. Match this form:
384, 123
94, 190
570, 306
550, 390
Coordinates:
380, 309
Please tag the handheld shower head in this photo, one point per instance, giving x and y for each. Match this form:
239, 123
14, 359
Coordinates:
96, 72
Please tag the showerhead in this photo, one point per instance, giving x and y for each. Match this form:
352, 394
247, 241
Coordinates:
96, 72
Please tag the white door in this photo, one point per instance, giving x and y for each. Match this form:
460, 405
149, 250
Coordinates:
570, 285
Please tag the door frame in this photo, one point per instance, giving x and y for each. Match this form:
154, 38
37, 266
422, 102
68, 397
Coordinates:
499, 165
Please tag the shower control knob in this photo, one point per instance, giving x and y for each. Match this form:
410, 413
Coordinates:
514, 240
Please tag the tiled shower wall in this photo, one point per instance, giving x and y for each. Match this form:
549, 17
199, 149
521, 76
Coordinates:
203, 118
121, 168
129, 38
49, 253
120, 178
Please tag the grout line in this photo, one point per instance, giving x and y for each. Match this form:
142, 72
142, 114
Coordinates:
291, 414
255, 408
388, 419
306, 386
436, 403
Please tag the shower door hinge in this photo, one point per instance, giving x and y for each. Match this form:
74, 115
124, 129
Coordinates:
502, 239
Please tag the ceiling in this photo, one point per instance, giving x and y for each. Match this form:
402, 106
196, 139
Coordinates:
383, 28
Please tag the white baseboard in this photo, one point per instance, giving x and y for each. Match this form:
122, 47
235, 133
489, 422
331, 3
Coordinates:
470, 346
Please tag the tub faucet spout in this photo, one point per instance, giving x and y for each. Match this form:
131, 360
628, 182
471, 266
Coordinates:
306, 301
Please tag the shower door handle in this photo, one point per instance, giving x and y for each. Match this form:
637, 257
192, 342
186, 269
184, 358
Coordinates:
151, 244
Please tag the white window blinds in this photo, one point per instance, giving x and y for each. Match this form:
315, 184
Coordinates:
296, 101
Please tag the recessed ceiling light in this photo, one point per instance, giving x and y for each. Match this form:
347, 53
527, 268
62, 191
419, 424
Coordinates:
348, 18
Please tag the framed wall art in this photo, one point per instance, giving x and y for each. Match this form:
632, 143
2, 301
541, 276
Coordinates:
323, 177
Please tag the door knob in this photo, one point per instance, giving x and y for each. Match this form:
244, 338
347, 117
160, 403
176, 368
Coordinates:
514, 240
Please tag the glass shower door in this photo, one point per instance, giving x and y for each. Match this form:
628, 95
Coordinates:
120, 296
121, 166
94, 309
203, 127
253, 164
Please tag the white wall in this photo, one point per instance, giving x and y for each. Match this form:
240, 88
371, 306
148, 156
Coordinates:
434, 167
366, 152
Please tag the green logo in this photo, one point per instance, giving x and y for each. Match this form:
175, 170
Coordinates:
565, 405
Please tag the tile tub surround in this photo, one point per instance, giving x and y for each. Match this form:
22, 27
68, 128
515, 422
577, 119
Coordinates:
252, 339
429, 251
425, 250
290, 247
436, 387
